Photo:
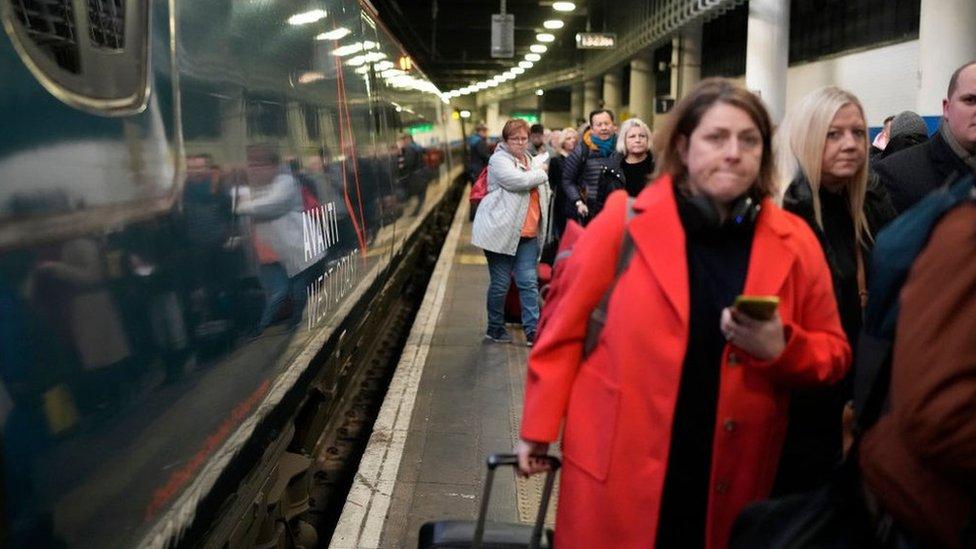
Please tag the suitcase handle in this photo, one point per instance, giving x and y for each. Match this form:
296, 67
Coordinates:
496, 460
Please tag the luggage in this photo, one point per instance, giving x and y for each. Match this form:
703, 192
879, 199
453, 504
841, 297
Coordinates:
513, 305
462, 534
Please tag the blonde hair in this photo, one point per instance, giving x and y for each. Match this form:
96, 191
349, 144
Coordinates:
686, 116
800, 148
628, 125
564, 135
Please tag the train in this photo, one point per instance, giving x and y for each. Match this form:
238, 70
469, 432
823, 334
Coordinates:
200, 203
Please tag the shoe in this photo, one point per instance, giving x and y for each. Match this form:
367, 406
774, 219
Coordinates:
529, 339
501, 336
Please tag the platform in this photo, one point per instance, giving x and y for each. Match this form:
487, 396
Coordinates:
454, 399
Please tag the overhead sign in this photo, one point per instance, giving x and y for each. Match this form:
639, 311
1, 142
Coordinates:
502, 35
530, 117
596, 40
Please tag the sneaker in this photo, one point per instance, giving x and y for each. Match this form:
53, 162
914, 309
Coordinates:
501, 336
529, 339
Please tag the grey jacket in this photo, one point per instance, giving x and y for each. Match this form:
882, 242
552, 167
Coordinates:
501, 214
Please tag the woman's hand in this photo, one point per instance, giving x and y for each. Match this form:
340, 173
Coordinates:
763, 339
527, 451
581, 209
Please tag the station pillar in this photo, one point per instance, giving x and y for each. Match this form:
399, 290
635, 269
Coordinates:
493, 119
611, 91
688, 53
591, 96
945, 42
642, 88
575, 103
767, 53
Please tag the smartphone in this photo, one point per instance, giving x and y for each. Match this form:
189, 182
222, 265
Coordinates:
759, 307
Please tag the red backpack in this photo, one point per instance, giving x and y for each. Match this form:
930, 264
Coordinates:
480, 188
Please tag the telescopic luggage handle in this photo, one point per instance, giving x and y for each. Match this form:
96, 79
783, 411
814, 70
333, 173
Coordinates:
494, 461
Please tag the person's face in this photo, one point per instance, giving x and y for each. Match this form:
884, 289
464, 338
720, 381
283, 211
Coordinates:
602, 125
636, 141
845, 148
516, 142
536, 139
723, 154
960, 109
260, 171
887, 129
572, 138
483, 132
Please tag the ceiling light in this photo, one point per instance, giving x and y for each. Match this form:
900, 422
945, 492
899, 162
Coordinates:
348, 49
383, 65
492, 83
563, 6
553, 24
517, 70
465, 114
362, 70
481, 85
307, 17
538, 48
336, 34
539, 92
545, 37
526, 64
309, 77
390, 73
532, 57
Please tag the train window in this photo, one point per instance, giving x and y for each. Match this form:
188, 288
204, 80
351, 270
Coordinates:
91, 54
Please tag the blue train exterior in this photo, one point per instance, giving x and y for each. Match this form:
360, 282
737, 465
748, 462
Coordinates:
193, 196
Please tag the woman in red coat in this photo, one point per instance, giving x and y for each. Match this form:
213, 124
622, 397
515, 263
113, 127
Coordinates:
676, 419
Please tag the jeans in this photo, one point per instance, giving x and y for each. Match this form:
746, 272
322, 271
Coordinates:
500, 269
278, 287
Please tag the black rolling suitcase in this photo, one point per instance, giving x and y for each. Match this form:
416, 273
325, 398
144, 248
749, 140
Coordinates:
464, 534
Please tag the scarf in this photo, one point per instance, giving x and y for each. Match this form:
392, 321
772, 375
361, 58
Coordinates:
604, 146
967, 157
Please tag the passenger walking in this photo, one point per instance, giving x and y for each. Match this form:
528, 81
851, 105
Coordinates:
586, 180
675, 419
568, 139
511, 226
478, 151
824, 163
634, 143
950, 153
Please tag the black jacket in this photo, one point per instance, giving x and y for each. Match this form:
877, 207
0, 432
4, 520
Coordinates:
911, 174
813, 439
583, 169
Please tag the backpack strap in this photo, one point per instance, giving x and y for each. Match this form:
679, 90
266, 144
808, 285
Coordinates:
599, 315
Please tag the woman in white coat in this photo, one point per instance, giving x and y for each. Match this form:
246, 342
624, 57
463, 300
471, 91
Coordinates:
511, 225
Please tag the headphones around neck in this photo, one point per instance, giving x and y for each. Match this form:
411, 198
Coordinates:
699, 214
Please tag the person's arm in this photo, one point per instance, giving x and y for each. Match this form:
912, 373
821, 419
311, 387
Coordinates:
503, 172
558, 352
934, 362
275, 202
815, 350
572, 166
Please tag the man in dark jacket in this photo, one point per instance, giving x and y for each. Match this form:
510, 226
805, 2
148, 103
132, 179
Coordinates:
591, 166
913, 173
478, 151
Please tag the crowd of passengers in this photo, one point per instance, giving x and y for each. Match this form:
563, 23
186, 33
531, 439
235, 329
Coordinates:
686, 422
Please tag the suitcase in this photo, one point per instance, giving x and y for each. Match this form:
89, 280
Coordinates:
464, 534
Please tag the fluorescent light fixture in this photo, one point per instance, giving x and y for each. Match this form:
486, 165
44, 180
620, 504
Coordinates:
356, 61
362, 70
526, 64
492, 83
465, 113
517, 70
310, 76
336, 34
545, 37
383, 65
563, 6
481, 85
374, 56
538, 48
390, 73
349, 49
307, 17
534, 57
553, 24
540, 92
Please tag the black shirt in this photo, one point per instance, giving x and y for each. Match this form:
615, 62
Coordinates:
838, 231
718, 260
635, 175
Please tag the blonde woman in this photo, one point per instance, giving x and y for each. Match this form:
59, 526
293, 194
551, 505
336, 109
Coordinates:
634, 143
823, 157
568, 138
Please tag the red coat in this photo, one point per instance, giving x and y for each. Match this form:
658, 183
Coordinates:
619, 403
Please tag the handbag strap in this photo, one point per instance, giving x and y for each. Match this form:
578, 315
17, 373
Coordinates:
862, 282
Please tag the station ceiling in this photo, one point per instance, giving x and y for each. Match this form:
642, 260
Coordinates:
451, 39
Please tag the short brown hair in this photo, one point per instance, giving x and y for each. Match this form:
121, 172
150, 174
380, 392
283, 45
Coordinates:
687, 115
954, 79
513, 126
